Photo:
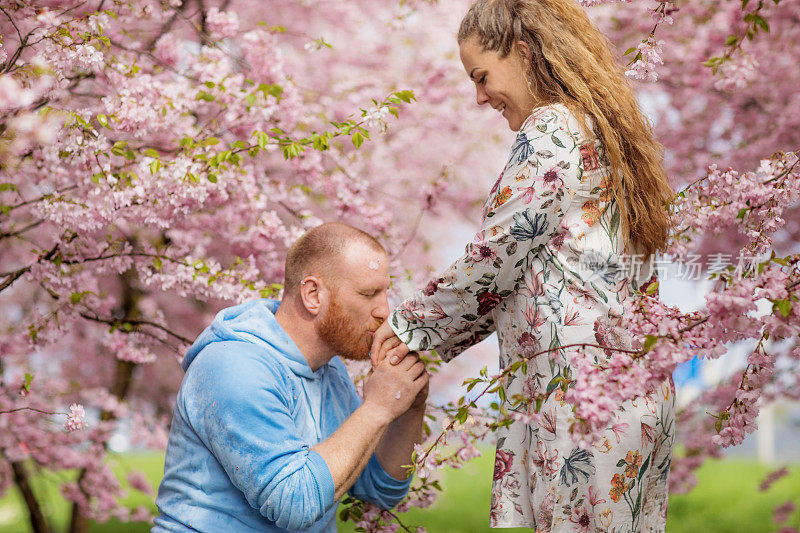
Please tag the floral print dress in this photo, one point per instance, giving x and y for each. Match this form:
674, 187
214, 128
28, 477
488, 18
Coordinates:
547, 262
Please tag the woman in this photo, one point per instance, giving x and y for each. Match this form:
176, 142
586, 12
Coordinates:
581, 198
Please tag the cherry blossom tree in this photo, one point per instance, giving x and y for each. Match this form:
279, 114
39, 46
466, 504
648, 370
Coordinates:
157, 159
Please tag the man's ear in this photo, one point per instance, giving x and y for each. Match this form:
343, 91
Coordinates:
311, 294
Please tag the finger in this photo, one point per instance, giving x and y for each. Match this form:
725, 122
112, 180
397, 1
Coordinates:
408, 360
397, 354
417, 370
383, 332
389, 344
422, 382
386, 345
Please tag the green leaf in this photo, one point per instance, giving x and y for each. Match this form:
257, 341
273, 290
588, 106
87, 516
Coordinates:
649, 342
270, 89
26, 384
157, 263
759, 21
202, 95
210, 84
75, 297
155, 166
652, 288
557, 141
406, 95
119, 148
731, 40
8, 187
629, 50
262, 139
152, 152
103, 120
358, 139
211, 177
784, 307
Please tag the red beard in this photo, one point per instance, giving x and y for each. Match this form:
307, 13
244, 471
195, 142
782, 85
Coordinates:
345, 337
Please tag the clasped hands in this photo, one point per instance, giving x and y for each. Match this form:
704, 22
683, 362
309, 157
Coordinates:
392, 361
386, 344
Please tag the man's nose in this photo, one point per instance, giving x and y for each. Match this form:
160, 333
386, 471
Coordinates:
382, 311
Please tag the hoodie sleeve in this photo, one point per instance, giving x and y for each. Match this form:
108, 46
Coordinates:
374, 485
242, 412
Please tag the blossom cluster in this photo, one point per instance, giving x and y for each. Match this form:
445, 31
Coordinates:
646, 60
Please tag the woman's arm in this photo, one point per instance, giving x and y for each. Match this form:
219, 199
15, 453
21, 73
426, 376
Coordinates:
524, 212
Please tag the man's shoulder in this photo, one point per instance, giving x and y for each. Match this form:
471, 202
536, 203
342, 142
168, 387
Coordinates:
236, 363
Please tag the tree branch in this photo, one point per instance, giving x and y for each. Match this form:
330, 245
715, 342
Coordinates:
21, 231
118, 323
11, 277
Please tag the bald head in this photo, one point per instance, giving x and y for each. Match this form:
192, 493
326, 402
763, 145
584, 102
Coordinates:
321, 251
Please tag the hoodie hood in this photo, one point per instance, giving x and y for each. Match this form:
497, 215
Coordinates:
252, 322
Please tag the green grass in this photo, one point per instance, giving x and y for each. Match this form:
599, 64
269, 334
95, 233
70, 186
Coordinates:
726, 500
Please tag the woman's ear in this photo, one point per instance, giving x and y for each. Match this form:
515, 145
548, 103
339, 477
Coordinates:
311, 294
524, 51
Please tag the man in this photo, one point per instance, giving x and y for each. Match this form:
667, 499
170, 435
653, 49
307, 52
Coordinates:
268, 431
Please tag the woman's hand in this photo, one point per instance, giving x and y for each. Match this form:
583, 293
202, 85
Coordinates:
385, 343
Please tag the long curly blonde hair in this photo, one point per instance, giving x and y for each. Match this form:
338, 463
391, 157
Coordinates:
571, 63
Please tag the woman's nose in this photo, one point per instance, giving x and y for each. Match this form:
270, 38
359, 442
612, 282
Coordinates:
481, 96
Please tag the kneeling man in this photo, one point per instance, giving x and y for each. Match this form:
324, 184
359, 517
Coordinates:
268, 431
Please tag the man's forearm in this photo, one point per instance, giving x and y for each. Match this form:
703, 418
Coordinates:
397, 443
348, 450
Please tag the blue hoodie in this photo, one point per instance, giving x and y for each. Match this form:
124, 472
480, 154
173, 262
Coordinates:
248, 412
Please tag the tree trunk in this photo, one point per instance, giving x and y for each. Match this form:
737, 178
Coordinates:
78, 523
38, 522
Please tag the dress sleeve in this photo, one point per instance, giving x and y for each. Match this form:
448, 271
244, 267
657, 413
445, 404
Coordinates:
522, 213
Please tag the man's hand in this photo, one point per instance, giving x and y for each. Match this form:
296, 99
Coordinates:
392, 389
385, 343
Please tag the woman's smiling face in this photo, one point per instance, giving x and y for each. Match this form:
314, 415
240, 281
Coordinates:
499, 81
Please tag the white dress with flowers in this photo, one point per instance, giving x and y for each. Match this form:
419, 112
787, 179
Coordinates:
546, 263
